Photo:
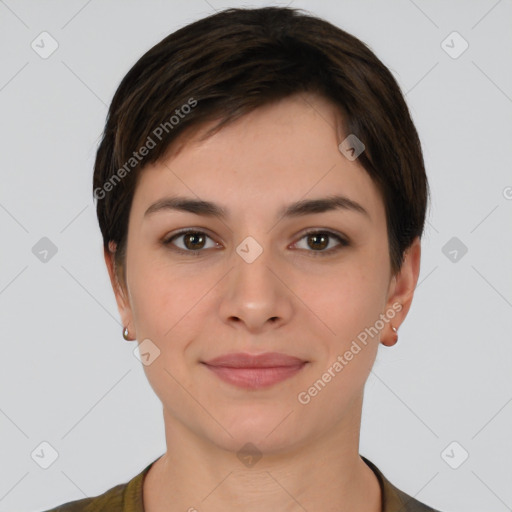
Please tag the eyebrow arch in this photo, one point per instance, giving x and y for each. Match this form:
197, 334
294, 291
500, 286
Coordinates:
298, 209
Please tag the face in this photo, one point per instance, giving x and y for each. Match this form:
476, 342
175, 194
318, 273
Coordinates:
306, 284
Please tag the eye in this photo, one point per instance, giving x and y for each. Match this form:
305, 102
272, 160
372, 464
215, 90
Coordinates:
320, 239
193, 241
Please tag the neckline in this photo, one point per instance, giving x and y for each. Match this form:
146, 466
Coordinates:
386, 497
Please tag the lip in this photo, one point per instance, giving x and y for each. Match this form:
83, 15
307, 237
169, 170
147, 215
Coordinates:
257, 371
265, 360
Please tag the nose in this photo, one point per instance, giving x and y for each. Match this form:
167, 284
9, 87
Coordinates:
255, 295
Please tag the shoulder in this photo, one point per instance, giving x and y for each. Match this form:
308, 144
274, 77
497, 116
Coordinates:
395, 500
111, 500
409, 504
126, 497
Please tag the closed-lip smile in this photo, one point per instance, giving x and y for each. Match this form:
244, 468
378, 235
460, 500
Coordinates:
254, 371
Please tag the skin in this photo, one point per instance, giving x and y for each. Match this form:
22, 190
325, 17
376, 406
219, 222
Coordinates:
194, 308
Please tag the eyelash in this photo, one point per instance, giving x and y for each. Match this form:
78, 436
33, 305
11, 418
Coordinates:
330, 234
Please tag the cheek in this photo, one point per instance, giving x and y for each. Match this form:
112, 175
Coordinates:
351, 312
350, 305
348, 299
157, 298
170, 306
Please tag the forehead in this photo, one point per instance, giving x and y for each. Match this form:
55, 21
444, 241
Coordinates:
278, 153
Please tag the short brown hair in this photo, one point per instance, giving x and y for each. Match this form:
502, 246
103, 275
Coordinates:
232, 62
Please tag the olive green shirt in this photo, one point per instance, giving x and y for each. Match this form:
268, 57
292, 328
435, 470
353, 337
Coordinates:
128, 497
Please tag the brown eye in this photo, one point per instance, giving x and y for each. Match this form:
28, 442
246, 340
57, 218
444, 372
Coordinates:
319, 240
192, 241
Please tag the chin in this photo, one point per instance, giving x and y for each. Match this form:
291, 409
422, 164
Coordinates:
271, 434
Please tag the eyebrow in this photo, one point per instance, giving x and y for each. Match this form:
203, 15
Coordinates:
297, 209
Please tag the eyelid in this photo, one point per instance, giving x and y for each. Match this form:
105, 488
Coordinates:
169, 239
343, 241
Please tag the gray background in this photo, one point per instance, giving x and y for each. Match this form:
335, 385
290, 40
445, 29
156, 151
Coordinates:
68, 378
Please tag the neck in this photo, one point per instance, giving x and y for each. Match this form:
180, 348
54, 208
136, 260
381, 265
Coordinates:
327, 474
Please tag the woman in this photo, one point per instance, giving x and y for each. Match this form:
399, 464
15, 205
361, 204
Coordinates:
261, 194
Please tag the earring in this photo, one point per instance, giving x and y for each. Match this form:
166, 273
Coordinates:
125, 334
391, 343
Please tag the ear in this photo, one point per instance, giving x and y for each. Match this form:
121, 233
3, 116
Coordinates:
120, 292
401, 291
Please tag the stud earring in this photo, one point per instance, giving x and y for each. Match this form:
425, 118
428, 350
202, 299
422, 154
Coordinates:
125, 334
391, 343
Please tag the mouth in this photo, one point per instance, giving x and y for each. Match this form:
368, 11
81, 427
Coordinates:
249, 371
